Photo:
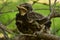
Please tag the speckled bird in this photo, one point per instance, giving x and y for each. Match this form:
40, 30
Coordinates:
28, 21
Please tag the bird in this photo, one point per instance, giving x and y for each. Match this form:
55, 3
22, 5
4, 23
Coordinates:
28, 21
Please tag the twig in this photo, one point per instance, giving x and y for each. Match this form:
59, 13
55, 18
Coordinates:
4, 28
4, 4
35, 2
4, 32
50, 5
10, 21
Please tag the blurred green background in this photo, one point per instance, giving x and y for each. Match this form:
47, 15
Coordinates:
8, 12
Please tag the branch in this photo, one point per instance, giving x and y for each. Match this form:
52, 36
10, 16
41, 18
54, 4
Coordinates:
50, 5
3, 27
4, 4
10, 21
35, 1
54, 15
48, 36
48, 18
38, 36
54, 3
4, 32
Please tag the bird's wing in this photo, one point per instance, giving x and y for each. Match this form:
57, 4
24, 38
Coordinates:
40, 19
37, 17
34, 16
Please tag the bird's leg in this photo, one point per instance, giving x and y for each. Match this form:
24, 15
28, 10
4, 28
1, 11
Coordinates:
34, 23
37, 25
43, 27
41, 30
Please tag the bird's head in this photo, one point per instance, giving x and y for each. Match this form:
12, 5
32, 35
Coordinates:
24, 8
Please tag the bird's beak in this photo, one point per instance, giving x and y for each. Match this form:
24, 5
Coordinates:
21, 7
